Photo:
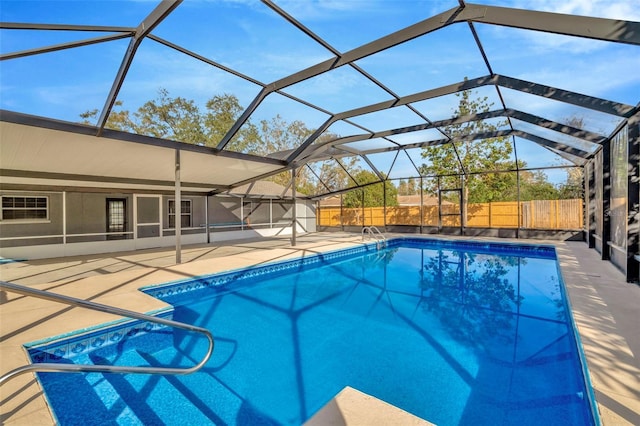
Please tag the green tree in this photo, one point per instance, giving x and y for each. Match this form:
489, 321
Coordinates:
119, 119
277, 135
373, 194
574, 185
331, 177
171, 118
486, 154
494, 187
180, 119
402, 187
222, 112
412, 187
535, 185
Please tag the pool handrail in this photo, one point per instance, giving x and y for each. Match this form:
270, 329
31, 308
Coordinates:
85, 368
377, 235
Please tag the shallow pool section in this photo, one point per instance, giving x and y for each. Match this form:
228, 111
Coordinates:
455, 333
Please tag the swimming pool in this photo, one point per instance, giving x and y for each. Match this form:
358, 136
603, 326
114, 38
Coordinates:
455, 333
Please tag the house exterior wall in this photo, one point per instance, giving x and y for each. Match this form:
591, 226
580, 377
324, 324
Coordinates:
87, 214
224, 212
51, 226
147, 223
198, 215
306, 216
261, 213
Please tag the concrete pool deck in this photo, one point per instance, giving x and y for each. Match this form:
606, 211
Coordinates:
605, 307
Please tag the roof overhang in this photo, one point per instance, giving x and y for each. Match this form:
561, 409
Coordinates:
50, 154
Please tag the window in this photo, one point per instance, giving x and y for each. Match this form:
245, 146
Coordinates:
116, 218
25, 208
185, 214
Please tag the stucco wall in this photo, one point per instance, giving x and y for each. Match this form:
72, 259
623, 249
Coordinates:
23, 228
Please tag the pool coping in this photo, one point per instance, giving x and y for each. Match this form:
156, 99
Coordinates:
620, 402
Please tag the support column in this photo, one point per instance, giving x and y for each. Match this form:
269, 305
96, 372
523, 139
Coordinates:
384, 206
206, 217
519, 204
341, 215
362, 206
421, 208
439, 206
135, 217
606, 199
294, 219
463, 204
633, 198
242, 213
590, 198
178, 210
64, 217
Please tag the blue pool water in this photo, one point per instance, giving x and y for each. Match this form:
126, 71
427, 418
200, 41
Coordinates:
458, 334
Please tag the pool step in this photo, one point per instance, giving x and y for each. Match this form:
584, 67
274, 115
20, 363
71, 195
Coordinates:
87, 399
203, 389
145, 399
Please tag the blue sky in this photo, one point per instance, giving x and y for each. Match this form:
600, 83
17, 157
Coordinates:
250, 38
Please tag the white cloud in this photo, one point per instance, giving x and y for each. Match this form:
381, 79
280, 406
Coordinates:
627, 10
597, 78
323, 9
319, 10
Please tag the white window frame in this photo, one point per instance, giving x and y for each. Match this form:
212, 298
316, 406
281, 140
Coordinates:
190, 213
25, 208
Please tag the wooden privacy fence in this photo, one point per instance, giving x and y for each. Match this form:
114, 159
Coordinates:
537, 214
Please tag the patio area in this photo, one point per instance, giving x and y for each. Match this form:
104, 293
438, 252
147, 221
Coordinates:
604, 307
509, 119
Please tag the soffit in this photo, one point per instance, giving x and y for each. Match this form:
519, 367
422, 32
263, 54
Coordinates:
78, 157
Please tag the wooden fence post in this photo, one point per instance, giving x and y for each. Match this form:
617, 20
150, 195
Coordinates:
490, 213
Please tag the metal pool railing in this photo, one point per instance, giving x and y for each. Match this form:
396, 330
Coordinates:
374, 233
84, 368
